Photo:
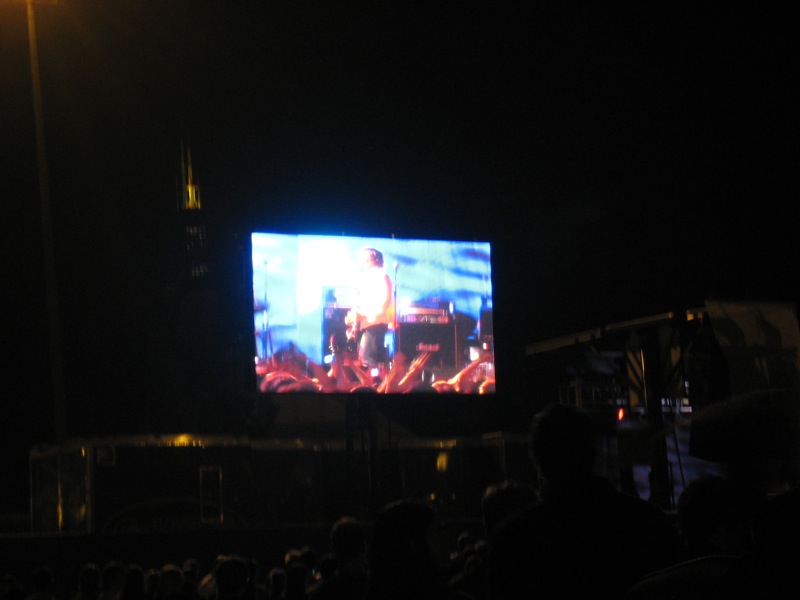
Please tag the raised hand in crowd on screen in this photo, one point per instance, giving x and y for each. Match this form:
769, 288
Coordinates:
465, 377
395, 374
414, 373
361, 373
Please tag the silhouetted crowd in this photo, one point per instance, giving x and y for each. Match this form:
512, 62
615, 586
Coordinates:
573, 535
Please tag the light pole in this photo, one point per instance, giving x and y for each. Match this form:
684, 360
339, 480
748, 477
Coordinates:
51, 286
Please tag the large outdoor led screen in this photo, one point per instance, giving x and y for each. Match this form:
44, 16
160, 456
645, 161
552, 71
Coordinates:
342, 314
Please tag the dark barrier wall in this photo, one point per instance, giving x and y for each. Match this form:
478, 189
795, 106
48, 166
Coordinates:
150, 485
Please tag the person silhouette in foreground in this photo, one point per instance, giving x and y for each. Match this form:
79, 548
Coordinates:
232, 576
770, 570
582, 538
349, 550
408, 555
88, 582
713, 519
499, 502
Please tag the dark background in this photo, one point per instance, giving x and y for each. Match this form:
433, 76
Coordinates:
624, 161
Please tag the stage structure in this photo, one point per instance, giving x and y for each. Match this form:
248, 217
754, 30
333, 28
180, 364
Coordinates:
674, 390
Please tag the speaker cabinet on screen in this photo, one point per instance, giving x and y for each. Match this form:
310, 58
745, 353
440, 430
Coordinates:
436, 338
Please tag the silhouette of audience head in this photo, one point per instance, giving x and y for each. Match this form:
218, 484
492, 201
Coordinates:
713, 516
191, 570
348, 539
309, 556
135, 584
770, 569
297, 573
42, 582
232, 576
407, 553
89, 581
564, 445
277, 582
153, 584
112, 579
172, 582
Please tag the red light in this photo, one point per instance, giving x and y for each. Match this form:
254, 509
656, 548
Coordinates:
620, 414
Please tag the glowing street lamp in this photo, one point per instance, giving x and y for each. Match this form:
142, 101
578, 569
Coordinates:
56, 362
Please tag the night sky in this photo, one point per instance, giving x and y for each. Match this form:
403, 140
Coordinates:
624, 161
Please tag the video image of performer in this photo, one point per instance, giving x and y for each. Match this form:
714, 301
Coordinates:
339, 314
